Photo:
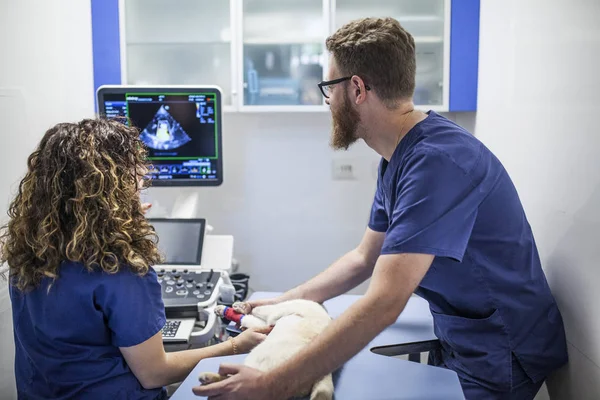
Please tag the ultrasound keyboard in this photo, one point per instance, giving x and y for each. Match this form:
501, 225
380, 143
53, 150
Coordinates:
178, 330
184, 291
170, 328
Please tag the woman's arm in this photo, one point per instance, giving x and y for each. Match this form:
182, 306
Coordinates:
154, 367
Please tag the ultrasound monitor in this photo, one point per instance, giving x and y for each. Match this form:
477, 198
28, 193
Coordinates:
180, 126
180, 240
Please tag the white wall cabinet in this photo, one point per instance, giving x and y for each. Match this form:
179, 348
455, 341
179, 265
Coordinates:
269, 55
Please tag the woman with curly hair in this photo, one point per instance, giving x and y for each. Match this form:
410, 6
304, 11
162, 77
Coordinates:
87, 306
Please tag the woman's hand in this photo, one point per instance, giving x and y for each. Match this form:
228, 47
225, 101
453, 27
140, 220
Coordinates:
249, 339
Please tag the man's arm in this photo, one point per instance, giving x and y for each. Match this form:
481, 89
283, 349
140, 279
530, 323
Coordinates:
394, 279
345, 274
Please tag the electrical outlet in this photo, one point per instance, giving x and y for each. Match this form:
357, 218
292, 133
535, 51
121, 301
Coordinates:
343, 170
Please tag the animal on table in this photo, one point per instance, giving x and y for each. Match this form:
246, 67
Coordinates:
295, 324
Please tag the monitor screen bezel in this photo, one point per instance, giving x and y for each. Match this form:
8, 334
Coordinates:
202, 222
122, 89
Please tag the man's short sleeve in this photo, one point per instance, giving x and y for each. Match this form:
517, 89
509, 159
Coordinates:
378, 220
132, 305
435, 208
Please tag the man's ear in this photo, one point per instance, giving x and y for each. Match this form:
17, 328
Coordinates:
358, 86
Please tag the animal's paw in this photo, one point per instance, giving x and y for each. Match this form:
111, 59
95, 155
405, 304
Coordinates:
210, 377
250, 321
220, 310
242, 307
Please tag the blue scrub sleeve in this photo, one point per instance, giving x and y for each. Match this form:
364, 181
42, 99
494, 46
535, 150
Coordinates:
133, 306
378, 220
435, 208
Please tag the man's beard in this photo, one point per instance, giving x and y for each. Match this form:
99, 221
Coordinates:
346, 121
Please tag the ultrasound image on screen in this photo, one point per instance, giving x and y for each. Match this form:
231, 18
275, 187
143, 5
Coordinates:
172, 126
164, 132
181, 132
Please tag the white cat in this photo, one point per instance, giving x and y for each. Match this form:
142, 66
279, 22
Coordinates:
296, 323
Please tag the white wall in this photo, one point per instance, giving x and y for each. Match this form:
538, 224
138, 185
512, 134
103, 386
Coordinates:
289, 217
539, 86
45, 78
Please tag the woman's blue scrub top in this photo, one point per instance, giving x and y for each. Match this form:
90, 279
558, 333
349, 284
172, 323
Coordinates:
67, 338
444, 193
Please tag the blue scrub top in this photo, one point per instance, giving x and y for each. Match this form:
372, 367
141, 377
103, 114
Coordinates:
444, 193
67, 339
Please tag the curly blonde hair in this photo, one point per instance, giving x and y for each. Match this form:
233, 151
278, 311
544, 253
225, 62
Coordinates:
79, 201
381, 52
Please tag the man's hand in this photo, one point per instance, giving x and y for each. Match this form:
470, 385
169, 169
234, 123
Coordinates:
243, 383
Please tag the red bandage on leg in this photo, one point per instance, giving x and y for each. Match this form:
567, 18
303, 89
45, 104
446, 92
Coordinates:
232, 315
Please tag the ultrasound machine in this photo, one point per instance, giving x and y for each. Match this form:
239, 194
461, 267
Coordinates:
181, 129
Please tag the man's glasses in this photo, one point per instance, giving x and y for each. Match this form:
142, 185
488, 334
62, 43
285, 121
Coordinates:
325, 86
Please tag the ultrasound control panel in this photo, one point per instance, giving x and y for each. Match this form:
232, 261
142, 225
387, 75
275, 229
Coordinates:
183, 290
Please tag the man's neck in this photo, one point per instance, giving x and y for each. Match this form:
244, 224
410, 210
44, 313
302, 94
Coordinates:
388, 127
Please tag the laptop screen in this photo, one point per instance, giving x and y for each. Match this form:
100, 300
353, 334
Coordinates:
180, 240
